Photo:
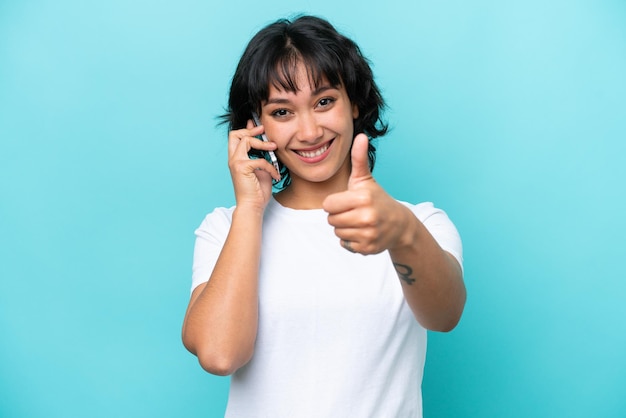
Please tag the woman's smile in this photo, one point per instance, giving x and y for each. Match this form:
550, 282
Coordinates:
316, 154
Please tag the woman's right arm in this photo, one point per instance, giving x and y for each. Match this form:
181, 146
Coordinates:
221, 321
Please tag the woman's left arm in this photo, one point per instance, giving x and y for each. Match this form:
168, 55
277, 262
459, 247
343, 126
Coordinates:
431, 278
371, 221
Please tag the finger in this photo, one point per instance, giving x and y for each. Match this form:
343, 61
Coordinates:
247, 167
347, 245
360, 160
358, 218
235, 137
346, 201
358, 242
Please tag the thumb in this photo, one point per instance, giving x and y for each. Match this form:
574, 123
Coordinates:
360, 160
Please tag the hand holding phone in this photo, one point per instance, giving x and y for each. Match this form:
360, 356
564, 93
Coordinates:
272, 155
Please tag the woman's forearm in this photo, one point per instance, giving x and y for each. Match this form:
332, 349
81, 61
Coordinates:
221, 321
431, 278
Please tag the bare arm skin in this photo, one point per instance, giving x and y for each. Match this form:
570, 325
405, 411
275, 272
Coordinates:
373, 222
431, 278
221, 322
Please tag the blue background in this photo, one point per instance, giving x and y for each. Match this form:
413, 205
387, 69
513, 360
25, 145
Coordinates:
509, 115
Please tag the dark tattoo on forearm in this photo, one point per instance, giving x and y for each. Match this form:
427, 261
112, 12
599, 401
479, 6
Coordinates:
404, 272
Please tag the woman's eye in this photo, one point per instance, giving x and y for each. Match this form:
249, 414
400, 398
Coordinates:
280, 112
326, 101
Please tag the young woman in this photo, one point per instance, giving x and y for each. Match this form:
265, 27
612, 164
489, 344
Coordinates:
284, 297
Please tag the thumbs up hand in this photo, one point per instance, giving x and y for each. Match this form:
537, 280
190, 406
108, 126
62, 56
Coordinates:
366, 219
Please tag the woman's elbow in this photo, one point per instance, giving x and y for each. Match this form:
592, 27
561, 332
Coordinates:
219, 362
447, 325
452, 317
217, 365
445, 319
221, 358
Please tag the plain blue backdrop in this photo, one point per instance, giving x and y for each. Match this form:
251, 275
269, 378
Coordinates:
509, 115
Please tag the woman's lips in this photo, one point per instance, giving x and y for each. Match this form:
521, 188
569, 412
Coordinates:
314, 153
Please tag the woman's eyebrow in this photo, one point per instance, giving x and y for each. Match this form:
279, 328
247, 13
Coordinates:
322, 89
281, 100
277, 100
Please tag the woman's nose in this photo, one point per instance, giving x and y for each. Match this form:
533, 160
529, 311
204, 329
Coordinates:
309, 129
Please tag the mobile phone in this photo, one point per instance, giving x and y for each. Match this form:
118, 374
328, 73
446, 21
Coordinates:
268, 155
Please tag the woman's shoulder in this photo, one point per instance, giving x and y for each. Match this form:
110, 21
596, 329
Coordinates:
423, 210
221, 212
218, 218
440, 226
435, 219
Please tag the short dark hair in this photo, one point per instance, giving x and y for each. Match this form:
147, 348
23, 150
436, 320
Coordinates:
272, 56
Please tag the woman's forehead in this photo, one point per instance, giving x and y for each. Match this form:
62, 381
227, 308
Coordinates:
295, 76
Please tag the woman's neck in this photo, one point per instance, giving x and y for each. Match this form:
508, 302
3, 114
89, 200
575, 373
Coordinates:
306, 195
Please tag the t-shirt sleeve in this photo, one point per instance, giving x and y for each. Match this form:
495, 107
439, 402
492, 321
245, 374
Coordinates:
441, 228
210, 238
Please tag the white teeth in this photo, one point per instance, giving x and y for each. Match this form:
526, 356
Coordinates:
311, 154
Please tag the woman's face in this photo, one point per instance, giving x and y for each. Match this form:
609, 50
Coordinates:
313, 129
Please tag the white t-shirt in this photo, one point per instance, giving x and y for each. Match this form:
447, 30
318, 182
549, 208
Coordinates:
335, 337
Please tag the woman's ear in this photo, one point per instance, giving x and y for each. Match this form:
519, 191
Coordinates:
355, 111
